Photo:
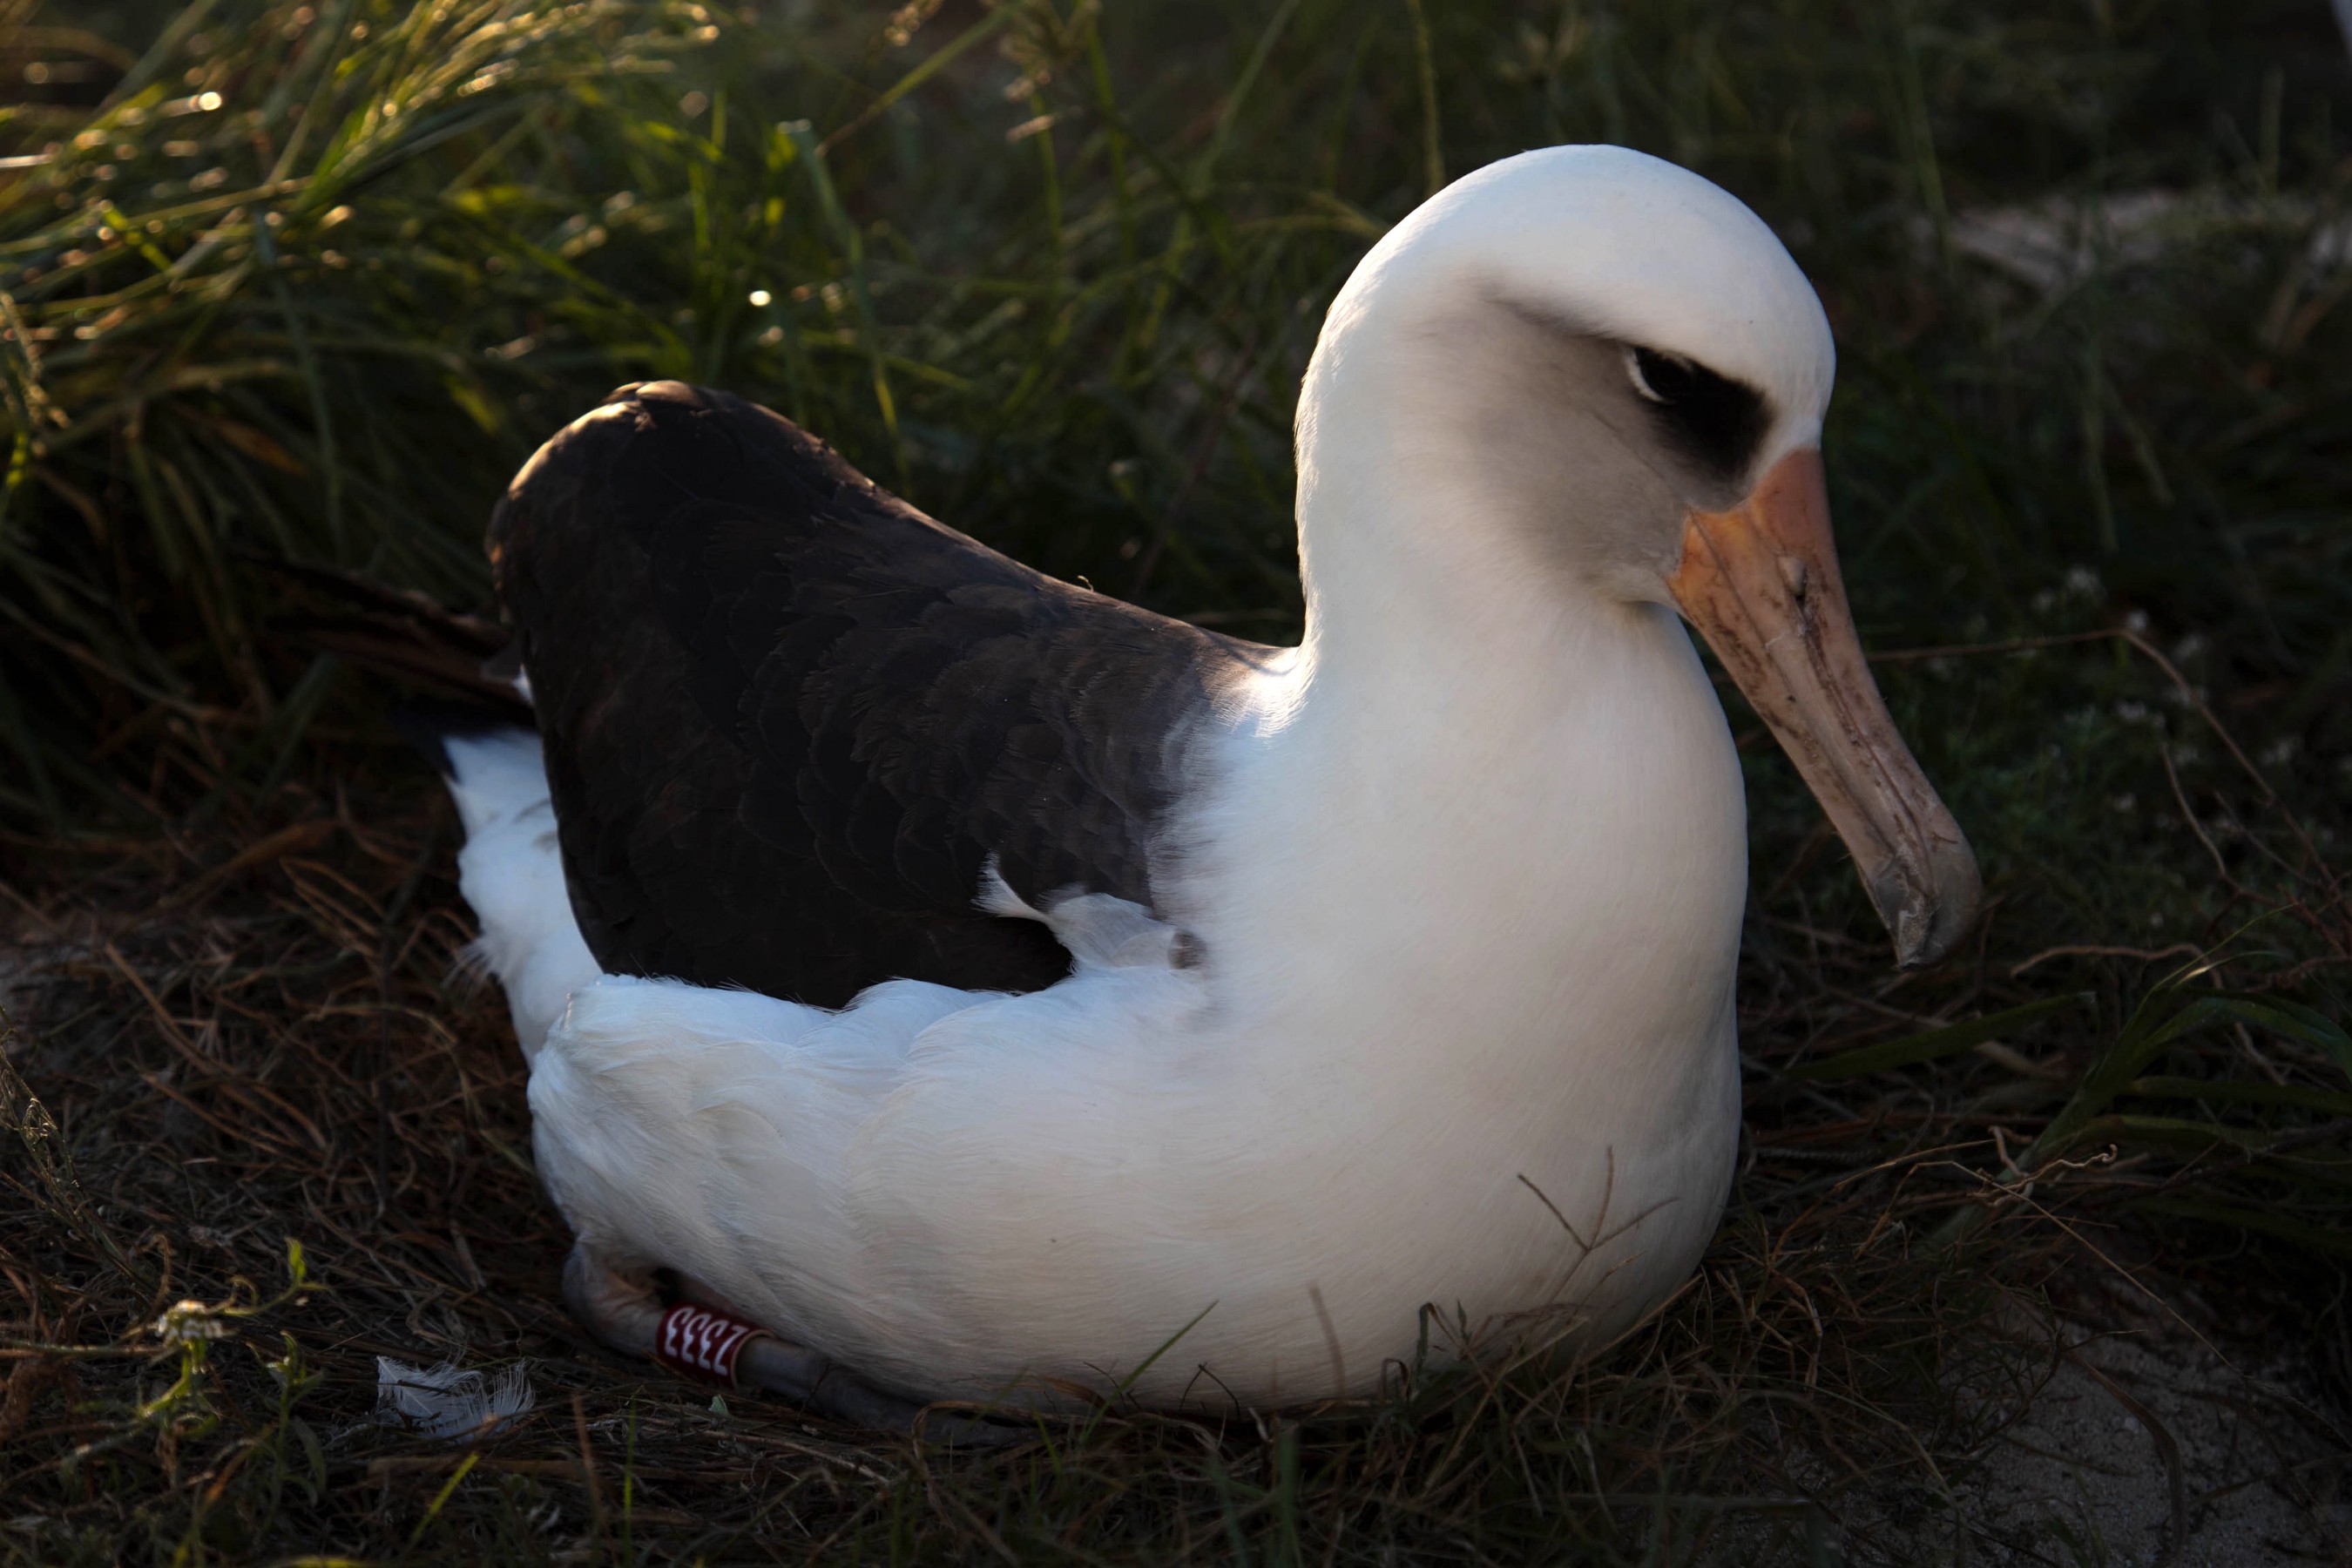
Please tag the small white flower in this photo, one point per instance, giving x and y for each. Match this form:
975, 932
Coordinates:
184, 1323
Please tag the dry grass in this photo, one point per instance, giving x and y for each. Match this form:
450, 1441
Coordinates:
2098, 531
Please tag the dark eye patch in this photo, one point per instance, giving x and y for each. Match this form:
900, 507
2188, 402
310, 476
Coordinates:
1715, 421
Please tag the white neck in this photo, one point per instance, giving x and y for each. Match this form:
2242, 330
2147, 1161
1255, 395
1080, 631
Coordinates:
1466, 726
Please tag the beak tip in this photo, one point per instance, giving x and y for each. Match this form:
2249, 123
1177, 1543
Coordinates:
1928, 921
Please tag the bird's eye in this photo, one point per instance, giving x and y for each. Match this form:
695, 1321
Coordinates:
1659, 378
1714, 420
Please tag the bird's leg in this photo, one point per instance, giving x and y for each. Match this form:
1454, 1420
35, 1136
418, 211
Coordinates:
621, 1307
618, 1305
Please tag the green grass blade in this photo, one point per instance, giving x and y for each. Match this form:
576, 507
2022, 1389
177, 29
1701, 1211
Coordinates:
1934, 1045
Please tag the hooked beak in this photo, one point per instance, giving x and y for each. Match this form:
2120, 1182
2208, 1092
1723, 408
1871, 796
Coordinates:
1761, 583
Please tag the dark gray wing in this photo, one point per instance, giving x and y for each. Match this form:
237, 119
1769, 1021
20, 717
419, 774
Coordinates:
789, 720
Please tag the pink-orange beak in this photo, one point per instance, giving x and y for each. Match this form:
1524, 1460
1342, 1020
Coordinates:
1761, 583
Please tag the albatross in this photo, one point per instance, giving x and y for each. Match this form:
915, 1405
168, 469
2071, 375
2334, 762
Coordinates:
941, 982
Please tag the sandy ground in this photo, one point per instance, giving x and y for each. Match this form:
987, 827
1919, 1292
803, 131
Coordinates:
2133, 1439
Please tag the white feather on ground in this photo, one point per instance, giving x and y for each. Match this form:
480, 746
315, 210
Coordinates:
450, 1402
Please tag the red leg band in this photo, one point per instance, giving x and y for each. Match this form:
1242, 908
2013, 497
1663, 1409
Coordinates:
700, 1343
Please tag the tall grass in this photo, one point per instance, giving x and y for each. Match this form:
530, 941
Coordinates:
310, 281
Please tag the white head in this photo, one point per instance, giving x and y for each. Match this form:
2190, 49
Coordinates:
1622, 245
1593, 339
1589, 368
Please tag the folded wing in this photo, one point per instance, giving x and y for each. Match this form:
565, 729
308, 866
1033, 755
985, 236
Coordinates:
791, 723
